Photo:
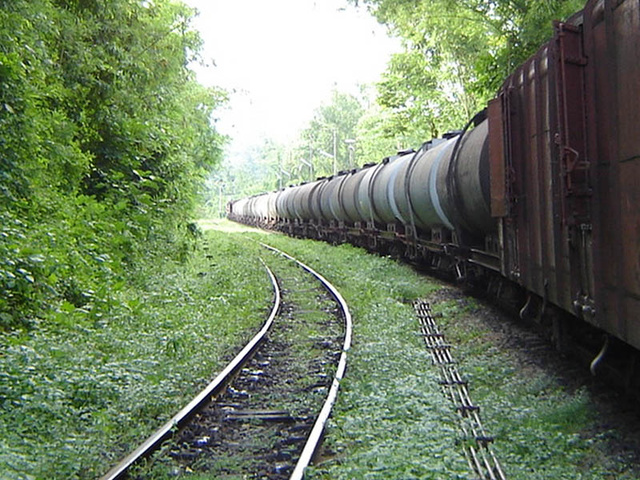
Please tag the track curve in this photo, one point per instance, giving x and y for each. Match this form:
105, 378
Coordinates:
182, 417
316, 433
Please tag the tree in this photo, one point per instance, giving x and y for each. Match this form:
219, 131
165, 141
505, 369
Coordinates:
329, 142
106, 138
457, 53
377, 138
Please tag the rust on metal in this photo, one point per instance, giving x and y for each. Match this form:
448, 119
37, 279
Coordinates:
497, 160
612, 36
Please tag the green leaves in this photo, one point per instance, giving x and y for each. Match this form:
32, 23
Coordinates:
106, 138
457, 54
329, 133
111, 365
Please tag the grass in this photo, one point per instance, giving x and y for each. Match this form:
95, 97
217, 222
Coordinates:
390, 410
79, 394
543, 428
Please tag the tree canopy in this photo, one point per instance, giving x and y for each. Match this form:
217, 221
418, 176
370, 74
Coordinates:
456, 55
327, 143
329, 140
105, 138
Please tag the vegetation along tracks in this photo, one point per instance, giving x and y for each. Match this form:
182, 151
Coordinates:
265, 413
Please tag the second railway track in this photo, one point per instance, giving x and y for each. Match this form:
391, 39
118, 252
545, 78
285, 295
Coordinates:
264, 415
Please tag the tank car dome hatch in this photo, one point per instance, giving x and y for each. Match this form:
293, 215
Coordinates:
406, 151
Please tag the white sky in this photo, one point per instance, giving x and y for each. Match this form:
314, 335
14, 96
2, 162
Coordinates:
283, 57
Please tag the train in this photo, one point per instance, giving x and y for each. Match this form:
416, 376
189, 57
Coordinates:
536, 199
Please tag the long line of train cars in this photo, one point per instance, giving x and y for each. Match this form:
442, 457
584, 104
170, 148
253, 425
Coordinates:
537, 198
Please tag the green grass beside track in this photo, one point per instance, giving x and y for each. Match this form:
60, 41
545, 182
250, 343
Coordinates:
79, 394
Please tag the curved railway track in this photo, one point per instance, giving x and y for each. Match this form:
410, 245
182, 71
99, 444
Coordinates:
316, 433
234, 414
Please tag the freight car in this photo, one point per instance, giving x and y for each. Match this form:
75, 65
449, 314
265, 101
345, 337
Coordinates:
537, 198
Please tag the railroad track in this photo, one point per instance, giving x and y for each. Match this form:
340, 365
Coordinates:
476, 442
265, 413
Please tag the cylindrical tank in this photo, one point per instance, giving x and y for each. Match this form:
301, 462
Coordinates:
283, 204
329, 198
453, 195
271, 205
302, 200
278, 203
261, 206
471, 182
336, 202
446, 183
252, 207
364, 194
398, 197
424, 189
324, 196
382, 188
289, 202
239, 207
296, 201
314, 199
349, 193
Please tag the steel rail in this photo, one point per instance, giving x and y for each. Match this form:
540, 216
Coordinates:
478, 452
318, 428
204, 397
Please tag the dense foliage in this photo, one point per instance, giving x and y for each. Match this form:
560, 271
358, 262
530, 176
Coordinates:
105, 137
456, 55
77, 396
328, 141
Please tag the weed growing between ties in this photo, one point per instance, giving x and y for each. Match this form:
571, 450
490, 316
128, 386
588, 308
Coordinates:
80, 394
291, 372
390, 420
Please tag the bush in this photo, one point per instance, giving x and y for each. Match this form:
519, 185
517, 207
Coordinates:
106, 136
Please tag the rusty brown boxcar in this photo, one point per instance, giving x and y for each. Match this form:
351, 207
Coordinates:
565, 168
